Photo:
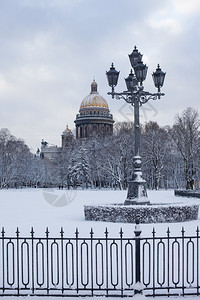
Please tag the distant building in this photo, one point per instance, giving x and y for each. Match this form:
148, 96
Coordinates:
67, 137
94, 119
50, 152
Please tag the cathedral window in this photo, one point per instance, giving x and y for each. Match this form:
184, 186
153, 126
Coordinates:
81, 132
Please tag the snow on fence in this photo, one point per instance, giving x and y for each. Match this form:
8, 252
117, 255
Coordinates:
110, 266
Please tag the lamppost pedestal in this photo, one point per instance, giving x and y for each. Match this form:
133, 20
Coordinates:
137, 193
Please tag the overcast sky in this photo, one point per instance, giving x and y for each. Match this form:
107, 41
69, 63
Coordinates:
51, 50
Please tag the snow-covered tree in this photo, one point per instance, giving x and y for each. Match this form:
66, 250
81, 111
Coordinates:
115, 156
14, 160
155, 148
79, 167
186, 136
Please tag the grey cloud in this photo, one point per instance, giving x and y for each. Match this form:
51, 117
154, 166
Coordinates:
51, 50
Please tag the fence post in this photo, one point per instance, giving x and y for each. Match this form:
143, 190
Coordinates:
138, 286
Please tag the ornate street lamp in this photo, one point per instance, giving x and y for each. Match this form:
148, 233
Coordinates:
131, 81
158, 78
112, 76
135, 57
136, 96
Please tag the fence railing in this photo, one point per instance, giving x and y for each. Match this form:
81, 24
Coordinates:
110, 266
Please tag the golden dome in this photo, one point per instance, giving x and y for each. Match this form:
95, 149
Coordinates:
94, 99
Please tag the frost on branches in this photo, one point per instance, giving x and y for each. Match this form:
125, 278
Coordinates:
170, 158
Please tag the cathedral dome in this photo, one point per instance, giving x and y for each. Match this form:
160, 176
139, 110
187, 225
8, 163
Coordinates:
94, 118
94, 99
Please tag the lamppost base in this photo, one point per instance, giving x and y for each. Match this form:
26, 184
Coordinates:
137, 194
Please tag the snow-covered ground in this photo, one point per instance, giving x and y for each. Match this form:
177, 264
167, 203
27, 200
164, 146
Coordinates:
136, 297
38, 208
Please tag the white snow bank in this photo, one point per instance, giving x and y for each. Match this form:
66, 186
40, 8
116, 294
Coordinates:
28, 208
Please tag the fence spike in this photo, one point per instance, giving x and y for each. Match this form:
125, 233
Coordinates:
153, 232
121, 232
106, 232
168, 232
2, 232
76, 232
17, 232
183, 231
61, 232
32, 232
47, 232
91, 232
197, 231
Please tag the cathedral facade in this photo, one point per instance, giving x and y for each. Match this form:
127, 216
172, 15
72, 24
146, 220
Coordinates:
93, 120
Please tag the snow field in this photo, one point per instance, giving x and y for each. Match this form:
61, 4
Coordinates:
26, 208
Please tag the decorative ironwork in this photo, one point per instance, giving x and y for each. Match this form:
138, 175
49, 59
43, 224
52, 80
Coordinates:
131, 97
91, 266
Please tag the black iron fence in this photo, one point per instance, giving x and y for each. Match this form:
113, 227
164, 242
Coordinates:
119, 266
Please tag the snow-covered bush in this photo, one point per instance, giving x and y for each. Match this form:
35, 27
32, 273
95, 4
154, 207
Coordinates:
144, 213
187, 193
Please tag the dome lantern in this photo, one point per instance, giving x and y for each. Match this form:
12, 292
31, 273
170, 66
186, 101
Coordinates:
94, 87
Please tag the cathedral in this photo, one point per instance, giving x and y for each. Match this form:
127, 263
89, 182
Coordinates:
94, 119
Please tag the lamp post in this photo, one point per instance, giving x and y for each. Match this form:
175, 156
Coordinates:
136, 96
